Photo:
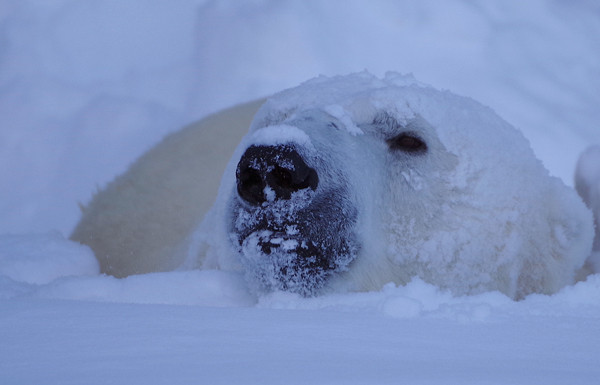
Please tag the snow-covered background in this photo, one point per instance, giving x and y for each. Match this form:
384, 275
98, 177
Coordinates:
87, 86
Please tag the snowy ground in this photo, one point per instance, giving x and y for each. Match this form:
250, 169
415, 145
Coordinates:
85, 87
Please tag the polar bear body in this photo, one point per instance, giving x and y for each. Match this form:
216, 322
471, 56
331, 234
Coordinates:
350, 183
141, 221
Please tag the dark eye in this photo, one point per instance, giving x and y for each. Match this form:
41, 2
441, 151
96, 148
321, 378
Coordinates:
407, 142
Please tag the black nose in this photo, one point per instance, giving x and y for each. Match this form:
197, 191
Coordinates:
281, 168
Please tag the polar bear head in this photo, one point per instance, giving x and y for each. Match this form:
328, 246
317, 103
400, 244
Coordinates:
356, 181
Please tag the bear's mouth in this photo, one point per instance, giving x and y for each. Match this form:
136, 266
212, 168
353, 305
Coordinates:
278, 261
308, 254
272, 242
297, 256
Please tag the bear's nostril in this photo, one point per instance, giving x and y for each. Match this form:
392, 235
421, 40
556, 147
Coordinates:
282, 177
250, 185
281, 168
285, 181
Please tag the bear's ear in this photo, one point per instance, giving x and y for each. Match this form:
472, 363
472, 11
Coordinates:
571, 234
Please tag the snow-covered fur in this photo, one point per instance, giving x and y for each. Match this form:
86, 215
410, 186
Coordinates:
348, 183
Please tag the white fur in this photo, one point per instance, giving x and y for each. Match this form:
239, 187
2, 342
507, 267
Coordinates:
478, 212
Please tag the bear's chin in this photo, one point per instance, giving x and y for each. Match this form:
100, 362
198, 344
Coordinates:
279, 262
293, 251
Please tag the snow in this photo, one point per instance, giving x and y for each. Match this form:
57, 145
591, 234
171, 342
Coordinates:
190, 333
39, 259
280, 134
86, 87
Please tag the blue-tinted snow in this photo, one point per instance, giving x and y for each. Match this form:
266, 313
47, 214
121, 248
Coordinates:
85, 87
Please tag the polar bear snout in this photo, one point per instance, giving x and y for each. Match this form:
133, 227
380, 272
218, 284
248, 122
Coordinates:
268, 173
291, 223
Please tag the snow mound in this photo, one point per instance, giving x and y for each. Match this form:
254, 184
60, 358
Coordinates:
50, 267
40, 259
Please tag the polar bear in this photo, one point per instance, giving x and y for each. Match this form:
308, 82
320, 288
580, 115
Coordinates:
347, 183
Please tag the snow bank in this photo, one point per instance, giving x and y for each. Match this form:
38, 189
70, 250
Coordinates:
40, 259
202, 326
50, 267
